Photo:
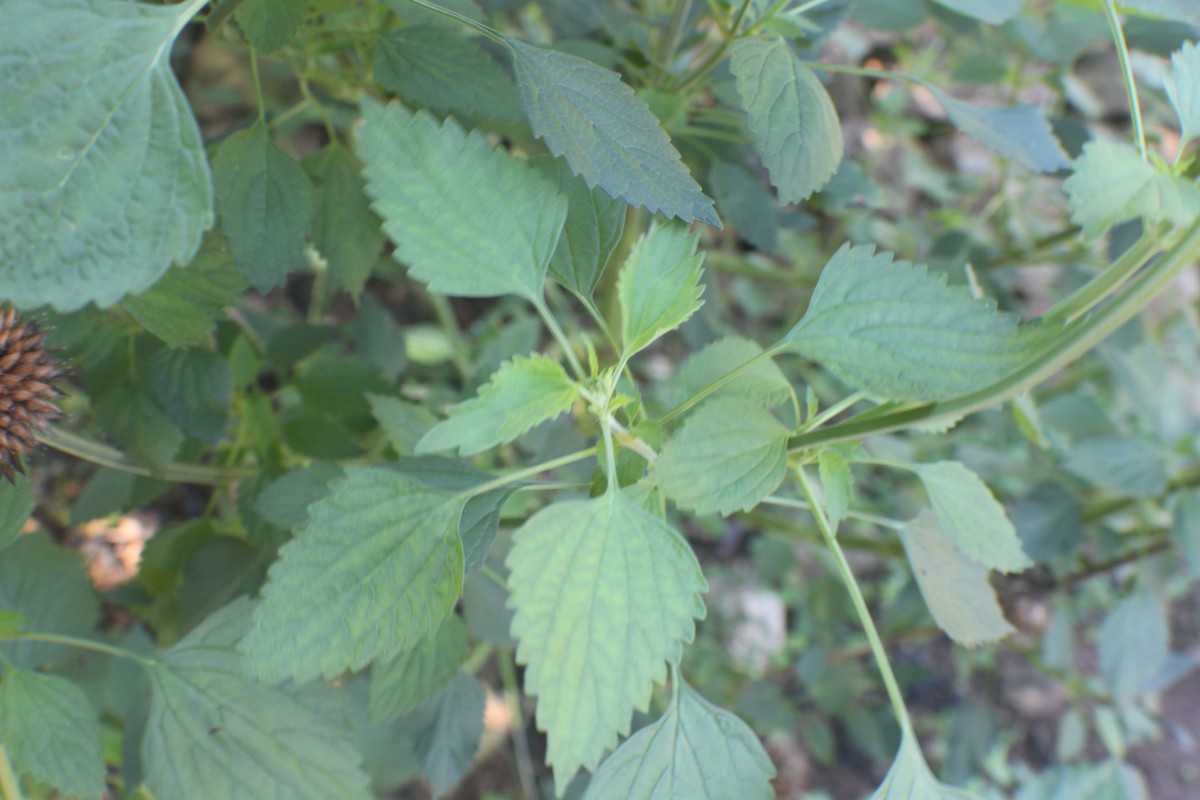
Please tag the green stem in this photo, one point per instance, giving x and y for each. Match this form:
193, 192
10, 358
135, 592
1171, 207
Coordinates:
691, 402
860, 606
105, 456
81, 644
834, 410
530, 472
9, 788
669, 41
557, 332
873, 519
258, 92
478, 657
449, 325
718, 53
470, 23
222, 12
1094, 291
1135, 110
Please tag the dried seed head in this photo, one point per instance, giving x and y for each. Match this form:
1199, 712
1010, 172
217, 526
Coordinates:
27, 393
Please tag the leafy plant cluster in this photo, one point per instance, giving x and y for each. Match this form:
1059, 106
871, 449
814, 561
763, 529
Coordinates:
386, 506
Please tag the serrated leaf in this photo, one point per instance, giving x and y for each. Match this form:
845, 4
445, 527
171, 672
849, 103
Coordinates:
402, 683
746, 204
377, 568
1134, 645
795, 126
956, 590
1182, 84
447, 729
593, 228
659, 287
993, 12
1126, 465
270, 24
695, 750
837, 483
1112, 184
182, 308
605, 595
969, 514
265, 203
1019, 132
894, 330
726, 457
466, 219
519, 395
345, 231
286, 500
195, 388
49, 730
764, 383
16, 506
606, 132
93, 114
211, 732
47, 586
430, 66
910, 778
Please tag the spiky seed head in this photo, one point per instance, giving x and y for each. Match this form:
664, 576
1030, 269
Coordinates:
27, 374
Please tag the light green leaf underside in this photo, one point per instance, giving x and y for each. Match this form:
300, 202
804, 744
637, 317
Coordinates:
400, 684
969, 514
956, 590
837, 483
447, 729
695, 750
605, 595
993, 12
659, 287
377, 569
519, 395
105, 181
50, 732
1134, 644
726, 457
795, 125
764, 383
910, 778
466, 219
1019, 132
1182, 84
606, 132
214, 733
897, 332
1112, 184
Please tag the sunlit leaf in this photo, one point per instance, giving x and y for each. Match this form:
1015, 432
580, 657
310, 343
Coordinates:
1183, 89
993, 12
659, 288
1019, 132
910, 778
838, 484
764, 383
967, 512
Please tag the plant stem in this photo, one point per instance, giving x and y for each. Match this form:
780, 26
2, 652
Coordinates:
563, 342
222, 12
9, 788
449, 325
530, 472
883, 522
81, 644
258, 92
1135, 110
512, 695
92, 451
669, 41
717, 54
834, 410
860, 606
1089, 295
688, 404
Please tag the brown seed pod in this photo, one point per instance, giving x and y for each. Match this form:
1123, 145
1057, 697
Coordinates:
27, 374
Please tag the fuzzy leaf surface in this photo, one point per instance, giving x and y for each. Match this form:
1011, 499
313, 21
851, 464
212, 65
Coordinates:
795, 126
764, 383
659, 286
1019, 132
1112, 184
726, 457
50, 732
607, 133
593, 228
522, 393
466, 219
892, 329
404, 682
971, 516
377, 569
605, 595
93, 113
694, 750
1182, 84
956, 589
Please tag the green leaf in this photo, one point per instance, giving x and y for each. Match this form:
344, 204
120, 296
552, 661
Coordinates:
345, 231
270, 24
136, 422
47, 586
910, 778
1134, 645
211, 732
379, 339
955, 589
1020, 132
745, 203
1185, 532
286, 500
764, 383
593, 228
522, 393
93, 115
838, 484
993, 12
605, 595
1112, 184
466, 219
265, 201
659, 287
50, 732
695, 750
795, 125
967, 512
1182, 84
897, 332
447, 729
606, 132
182, 308
726, 457
1126, 465
403, 423
400, 684
16, 506
430, 66
195, 387
377, 569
